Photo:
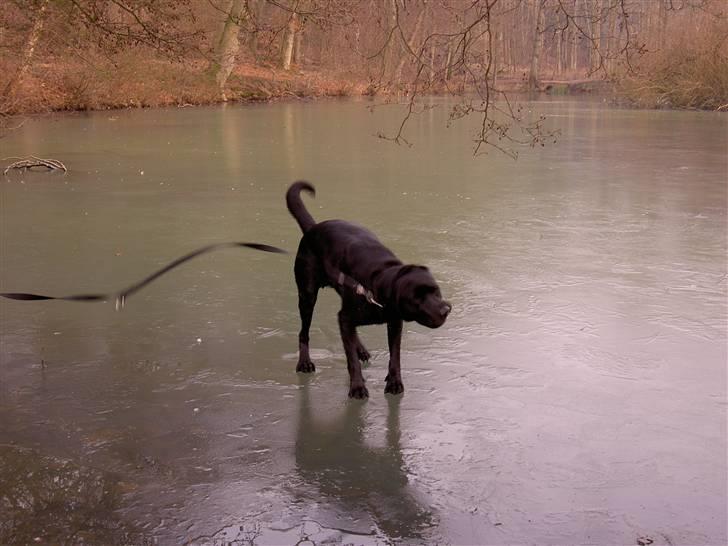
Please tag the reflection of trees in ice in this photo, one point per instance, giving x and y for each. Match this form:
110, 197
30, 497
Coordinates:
52, 500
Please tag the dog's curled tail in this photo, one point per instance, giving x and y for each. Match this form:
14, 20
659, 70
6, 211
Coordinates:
296, 207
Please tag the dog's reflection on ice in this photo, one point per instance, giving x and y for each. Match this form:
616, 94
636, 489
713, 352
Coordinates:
358, 480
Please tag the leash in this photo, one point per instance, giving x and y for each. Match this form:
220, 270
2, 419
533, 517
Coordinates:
121, 297
358, 288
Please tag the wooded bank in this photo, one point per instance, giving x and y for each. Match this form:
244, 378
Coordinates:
95, 54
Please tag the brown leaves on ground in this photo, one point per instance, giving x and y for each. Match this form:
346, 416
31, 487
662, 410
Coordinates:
131, 82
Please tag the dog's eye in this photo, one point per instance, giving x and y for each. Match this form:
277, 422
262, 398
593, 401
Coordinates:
421, 292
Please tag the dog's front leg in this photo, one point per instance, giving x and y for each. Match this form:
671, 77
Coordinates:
357, 388
394, 376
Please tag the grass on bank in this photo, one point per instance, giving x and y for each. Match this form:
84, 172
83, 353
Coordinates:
689, 73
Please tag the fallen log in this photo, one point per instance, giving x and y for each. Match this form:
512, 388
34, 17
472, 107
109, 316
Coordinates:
32, 162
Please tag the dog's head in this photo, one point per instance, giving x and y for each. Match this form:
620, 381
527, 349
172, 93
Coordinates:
418, 297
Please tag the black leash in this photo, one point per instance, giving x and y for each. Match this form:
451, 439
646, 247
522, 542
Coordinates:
121, 297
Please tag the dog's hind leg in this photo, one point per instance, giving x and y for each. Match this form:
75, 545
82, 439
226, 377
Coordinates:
357, 388
361, 351
307, 295
306, 303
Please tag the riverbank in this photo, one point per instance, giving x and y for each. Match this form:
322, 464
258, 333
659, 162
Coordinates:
100, 56
76, 87
131, 83
54, 87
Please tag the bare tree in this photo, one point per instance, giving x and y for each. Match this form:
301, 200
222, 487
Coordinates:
502, 124
38, 18
289, 41
223, 59
537, 45
471, 38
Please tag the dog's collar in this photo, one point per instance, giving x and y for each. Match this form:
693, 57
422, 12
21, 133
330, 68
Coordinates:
358, 288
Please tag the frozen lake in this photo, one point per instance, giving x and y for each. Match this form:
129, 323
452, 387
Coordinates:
576, 394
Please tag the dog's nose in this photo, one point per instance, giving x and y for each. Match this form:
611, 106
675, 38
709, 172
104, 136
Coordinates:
445, 309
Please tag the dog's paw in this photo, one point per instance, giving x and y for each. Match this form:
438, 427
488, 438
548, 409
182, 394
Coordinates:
393, 386
305, 366
363, 354
358, 391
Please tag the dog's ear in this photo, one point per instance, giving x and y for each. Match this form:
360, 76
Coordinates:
403, 289
407, 269
404, 275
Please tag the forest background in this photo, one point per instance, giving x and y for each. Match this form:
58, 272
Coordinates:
99, 54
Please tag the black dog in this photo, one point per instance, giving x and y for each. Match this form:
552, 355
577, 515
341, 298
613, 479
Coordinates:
375, 288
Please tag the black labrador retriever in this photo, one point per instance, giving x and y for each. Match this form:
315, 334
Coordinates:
375, 288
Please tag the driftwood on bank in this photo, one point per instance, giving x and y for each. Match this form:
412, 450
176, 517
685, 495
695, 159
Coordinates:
33, 162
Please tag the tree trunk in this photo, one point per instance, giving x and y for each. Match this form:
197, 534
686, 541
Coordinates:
288, 41
662, 30
575, 42
298, 47
412, 40
227, 46
503, 51
593, 12
258, 9
390, 49
521, 39
559, 53
607, 35
537, 47
494, 60
448, 59
30, 46
614, 36
432, 63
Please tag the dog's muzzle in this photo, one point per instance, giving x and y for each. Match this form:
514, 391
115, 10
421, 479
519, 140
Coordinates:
437, 318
